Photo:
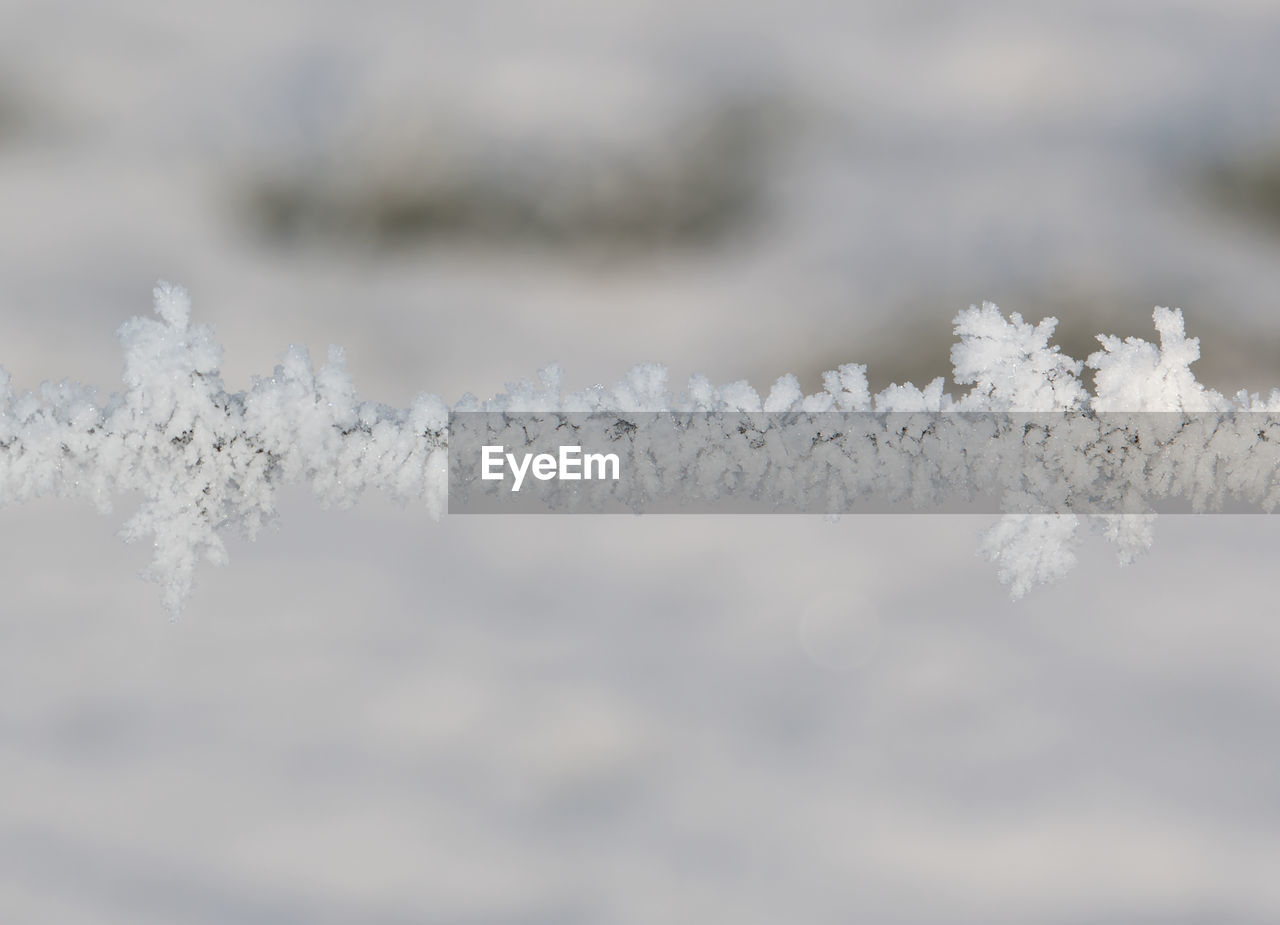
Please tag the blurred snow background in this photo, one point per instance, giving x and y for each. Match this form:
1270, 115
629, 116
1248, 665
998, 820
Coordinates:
371, 717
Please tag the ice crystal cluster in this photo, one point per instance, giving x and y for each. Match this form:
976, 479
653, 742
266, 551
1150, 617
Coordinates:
205, 460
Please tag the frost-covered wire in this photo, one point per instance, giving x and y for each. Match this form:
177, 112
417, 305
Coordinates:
205, 460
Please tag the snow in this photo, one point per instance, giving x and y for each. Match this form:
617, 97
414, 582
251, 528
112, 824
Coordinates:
206, 460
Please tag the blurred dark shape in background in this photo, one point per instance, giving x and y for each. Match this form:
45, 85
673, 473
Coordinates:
690, 183
13, 115
1248, 185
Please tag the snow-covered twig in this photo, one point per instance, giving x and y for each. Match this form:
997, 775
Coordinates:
205, 460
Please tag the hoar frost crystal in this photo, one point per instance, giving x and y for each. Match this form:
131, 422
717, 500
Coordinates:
205, 460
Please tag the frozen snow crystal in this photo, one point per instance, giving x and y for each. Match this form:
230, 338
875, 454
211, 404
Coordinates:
1011, 364
1133, 375
1030, 549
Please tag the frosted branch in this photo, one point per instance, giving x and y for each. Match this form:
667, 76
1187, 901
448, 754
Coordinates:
205, 460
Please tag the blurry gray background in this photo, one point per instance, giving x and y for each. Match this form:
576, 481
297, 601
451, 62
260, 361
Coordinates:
370, 717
